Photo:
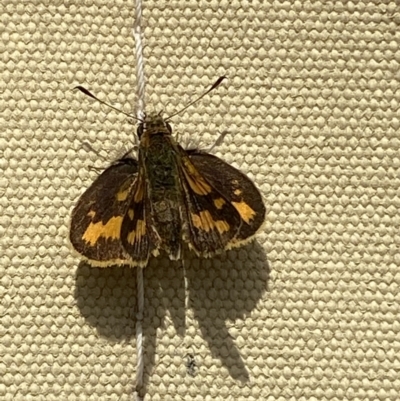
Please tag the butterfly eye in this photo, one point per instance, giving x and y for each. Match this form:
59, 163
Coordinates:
140, 130
169, 128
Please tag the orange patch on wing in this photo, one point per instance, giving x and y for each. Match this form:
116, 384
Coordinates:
124, 191
204, 221
195, 180
219, 203
109, 230
91, 213
139, 193
245, 211
136, 235
131, 213
122, 195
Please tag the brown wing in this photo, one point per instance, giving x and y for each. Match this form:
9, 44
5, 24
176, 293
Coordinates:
212, 221
138, 234
97, 218
235, 187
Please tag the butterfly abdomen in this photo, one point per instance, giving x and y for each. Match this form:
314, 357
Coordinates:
164, 192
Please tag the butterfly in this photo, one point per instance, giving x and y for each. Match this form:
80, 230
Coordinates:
163, 199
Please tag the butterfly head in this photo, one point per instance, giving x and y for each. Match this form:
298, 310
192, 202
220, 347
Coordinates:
154, 124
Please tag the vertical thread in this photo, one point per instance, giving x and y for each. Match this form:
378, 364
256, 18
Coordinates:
137, 34
140, 79
139, 333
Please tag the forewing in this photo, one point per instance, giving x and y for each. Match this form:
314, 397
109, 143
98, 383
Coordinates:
97, 217
237, 188
138, 233
212, 221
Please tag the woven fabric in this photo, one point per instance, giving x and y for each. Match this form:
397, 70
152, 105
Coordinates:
310, 310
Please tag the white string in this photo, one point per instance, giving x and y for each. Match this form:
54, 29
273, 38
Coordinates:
137, 34
140, 80
139, 333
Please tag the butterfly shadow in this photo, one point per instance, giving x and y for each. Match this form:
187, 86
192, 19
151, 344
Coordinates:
224, 288
107, 299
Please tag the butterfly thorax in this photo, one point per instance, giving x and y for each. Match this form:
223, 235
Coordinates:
159, 160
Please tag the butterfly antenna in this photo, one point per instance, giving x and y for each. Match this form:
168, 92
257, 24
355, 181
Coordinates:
88, 93
215, 85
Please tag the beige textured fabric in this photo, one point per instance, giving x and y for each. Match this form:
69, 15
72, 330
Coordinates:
308, 312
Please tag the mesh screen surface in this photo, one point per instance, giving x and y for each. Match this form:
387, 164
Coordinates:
310, 310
